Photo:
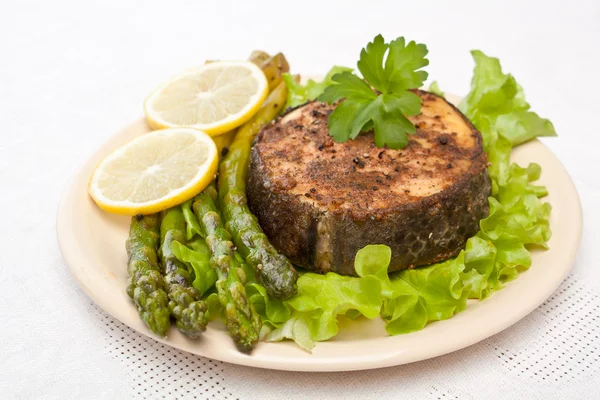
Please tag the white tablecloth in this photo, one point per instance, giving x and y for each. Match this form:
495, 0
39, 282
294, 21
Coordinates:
74, 72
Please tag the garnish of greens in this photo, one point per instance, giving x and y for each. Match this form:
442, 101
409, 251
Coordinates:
406, 300
382, 100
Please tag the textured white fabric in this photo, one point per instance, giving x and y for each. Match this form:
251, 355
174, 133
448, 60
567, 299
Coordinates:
73, 72
553, 353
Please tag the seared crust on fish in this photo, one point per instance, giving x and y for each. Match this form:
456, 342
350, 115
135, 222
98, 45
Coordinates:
320, 201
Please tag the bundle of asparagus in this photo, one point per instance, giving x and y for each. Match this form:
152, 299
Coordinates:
162, 294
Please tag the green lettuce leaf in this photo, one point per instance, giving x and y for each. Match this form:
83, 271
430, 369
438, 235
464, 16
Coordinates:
435, 88
425, 294
320, 300
192, 227
414, 297
197, 257
297, 328
213, 305
521, 126
300, 94
517, 218
273, 312
497, 103
480, 274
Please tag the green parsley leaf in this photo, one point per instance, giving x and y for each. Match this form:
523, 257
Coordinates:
370, 64
349, 86
382, 100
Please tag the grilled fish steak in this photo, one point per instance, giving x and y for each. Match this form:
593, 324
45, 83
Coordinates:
320, 201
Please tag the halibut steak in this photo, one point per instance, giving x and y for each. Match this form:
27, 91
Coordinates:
320, 201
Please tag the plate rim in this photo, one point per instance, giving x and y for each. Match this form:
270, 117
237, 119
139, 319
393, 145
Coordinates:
347, 363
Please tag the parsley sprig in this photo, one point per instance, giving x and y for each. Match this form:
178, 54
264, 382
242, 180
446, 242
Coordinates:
382, 100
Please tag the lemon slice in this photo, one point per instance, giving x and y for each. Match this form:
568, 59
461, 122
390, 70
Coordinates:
214, 98
155, 171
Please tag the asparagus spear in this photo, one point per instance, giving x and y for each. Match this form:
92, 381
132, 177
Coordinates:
146, 283
273, 270
258, 57
273, 68
184, 301
242, 321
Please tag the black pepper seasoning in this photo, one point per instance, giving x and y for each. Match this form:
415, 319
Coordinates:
358, 162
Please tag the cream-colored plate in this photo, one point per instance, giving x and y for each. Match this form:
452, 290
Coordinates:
93, 245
